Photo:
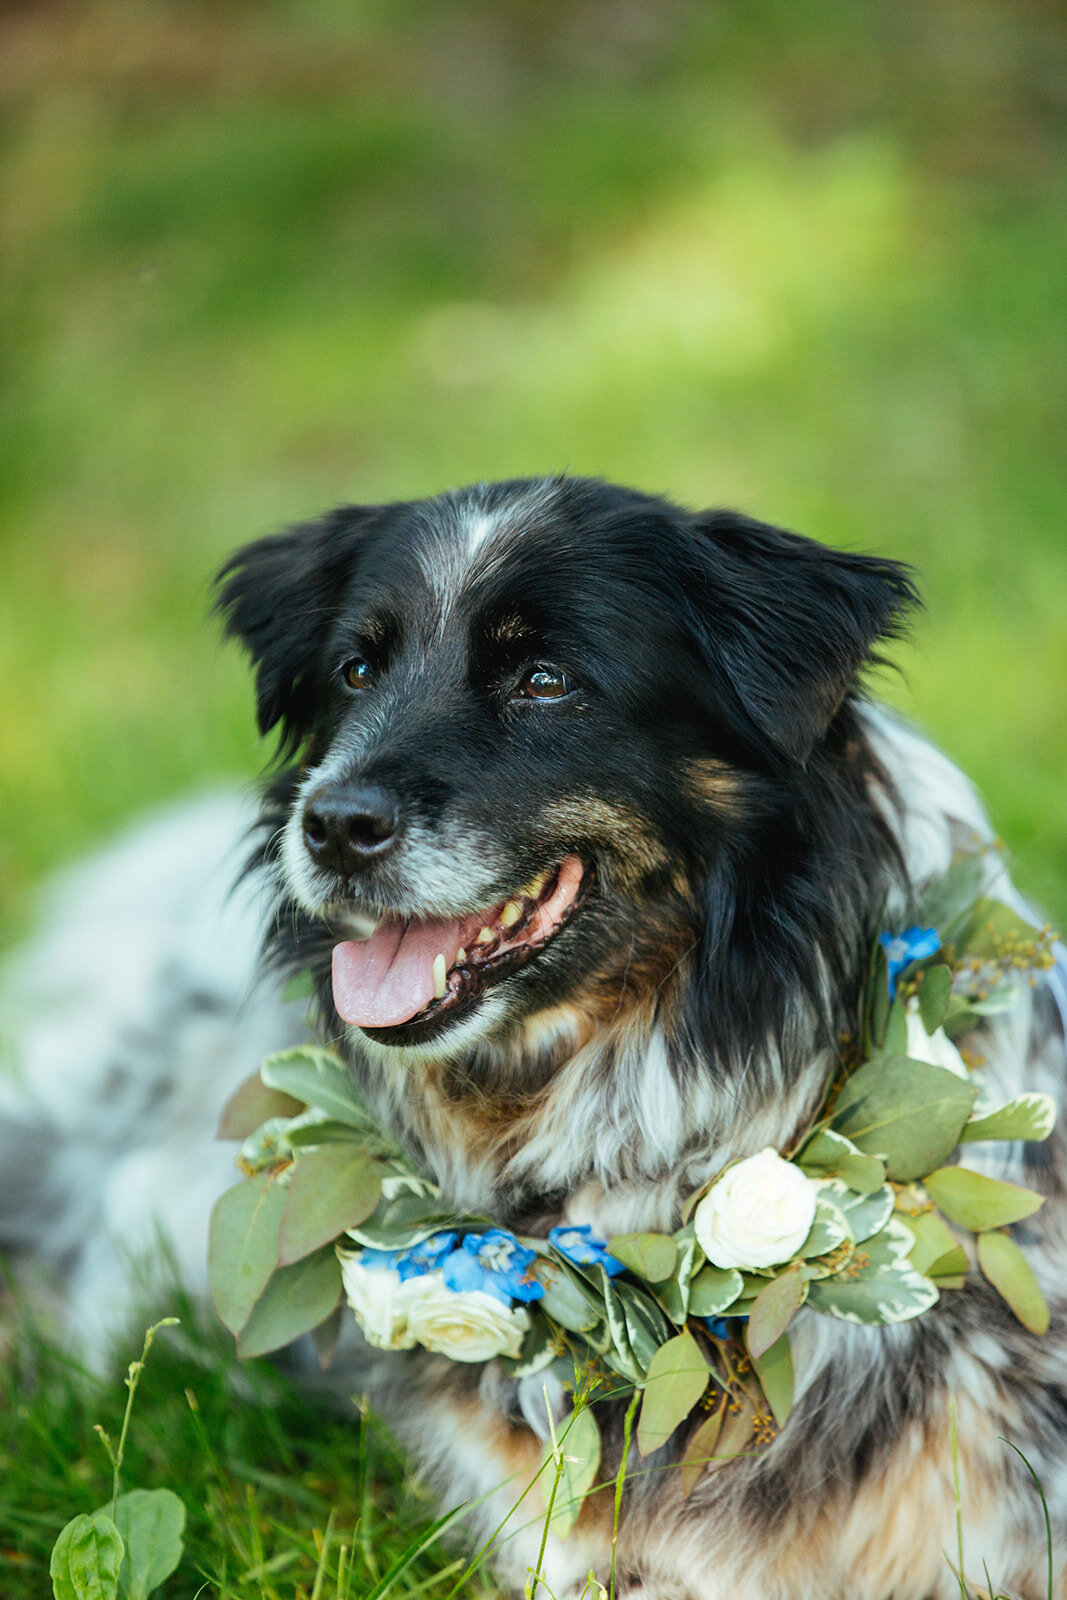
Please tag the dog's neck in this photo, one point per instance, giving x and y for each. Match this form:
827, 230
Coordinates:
616, 1124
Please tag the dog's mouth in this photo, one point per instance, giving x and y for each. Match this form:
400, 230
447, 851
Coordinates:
411, 976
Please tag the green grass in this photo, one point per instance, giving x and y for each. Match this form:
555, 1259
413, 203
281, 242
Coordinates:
281, 1494
807, 260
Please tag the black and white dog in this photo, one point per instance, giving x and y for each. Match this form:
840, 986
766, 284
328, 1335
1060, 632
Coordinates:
586, 837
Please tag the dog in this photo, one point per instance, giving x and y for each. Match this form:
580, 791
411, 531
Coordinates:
584, 827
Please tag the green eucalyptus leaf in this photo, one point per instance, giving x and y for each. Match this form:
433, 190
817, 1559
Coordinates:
951, 896
935, 991
976, 1202
878, 998
829, 1229
405, 1221
318, 1078
579, 1444
773, 1310
700, 1449
677, 1379
828, 1154
933, 1240
865, 1214
652, 1256
990, 922
620, 1356
330, 1189
881, 1286
320, 1129
252, 1104
646, 1325
774, 1369
673, 1292
151, 1522
895, 1040
296, 1299
1012, 1276
1027, 1116
966, 1012
242, 1247
401, 1182
737, 1438
86, 1559
567, 1299
949, 1270
713, 1289
538, 1347
908, 1113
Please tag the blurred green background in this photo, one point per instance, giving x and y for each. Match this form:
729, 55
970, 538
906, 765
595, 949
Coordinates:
260, 258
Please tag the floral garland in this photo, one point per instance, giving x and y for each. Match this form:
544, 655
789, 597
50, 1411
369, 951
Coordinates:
861, 1220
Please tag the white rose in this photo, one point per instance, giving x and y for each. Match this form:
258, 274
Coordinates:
936, 1048
380, 1301
467, 1325
757, 1215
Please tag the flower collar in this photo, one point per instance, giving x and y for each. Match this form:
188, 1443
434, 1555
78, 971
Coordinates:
864, 1219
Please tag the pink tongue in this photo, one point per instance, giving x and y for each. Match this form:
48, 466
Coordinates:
388, 978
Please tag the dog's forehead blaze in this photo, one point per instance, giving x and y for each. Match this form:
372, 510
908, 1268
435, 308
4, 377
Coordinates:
463, 539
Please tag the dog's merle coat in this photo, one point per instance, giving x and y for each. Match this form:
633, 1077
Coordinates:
474, 689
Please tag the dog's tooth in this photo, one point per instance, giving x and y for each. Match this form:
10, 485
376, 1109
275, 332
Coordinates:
485, 936
535, 887
440, 986
461, 956
510, 914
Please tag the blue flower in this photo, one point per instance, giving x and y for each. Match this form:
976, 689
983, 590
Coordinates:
901, 949
578, 1244
496, 1263
425, 1257
380, 1259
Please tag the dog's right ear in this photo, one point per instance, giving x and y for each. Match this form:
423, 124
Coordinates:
279, 596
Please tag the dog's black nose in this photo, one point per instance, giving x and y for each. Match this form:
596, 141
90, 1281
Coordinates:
346, 828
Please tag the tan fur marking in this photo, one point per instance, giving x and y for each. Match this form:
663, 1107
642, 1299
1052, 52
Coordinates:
716, 782
589, 817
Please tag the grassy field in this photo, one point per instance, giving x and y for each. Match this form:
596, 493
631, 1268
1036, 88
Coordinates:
260, 259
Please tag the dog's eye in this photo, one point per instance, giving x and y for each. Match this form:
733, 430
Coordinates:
545, 682
357, 673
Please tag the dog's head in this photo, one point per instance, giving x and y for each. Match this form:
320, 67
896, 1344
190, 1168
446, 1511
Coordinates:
554, 737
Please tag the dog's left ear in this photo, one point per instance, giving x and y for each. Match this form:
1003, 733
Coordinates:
279, 596
785, 625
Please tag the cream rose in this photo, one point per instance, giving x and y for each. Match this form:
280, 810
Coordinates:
936, 1048
380, 1301
467, 1325
757, 1215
